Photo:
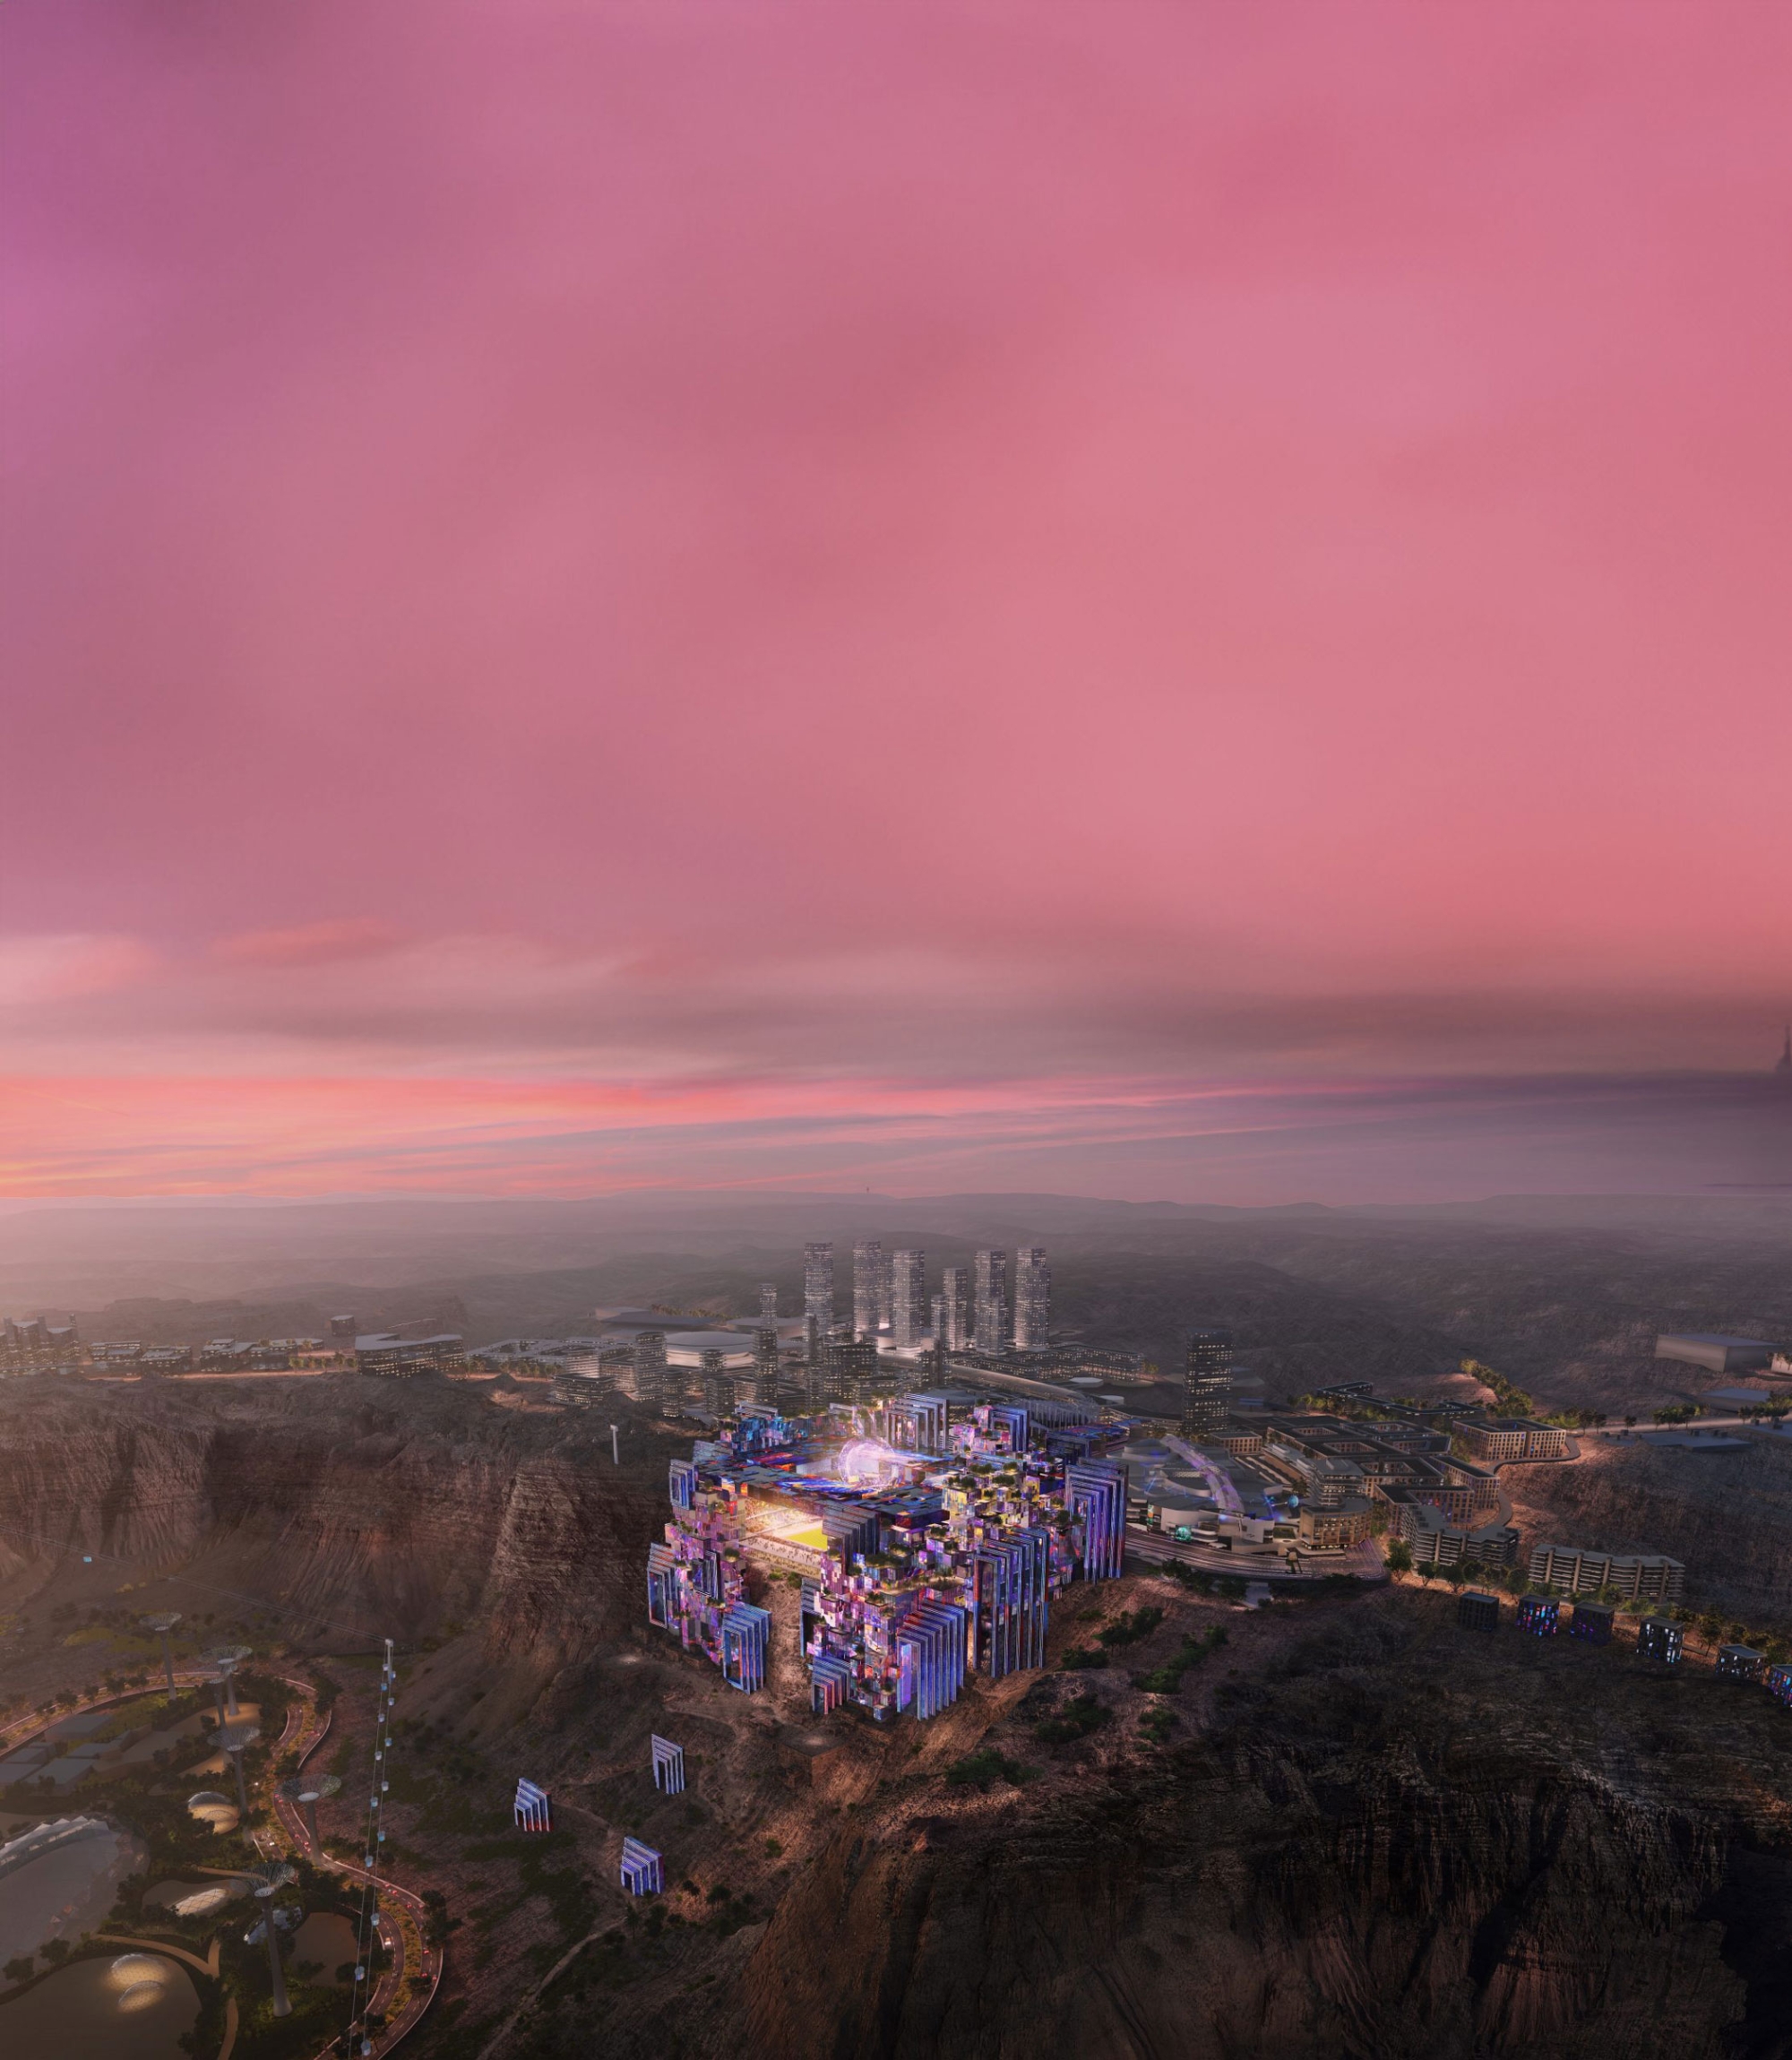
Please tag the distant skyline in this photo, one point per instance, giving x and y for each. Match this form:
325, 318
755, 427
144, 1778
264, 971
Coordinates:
1176, 601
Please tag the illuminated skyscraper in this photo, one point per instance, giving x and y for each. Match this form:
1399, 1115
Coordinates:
1032, 1300
868, 1287
765, 1368
1209, 1383
768, 1304
818, 1288
955, 1309
991, 1301
907, 1297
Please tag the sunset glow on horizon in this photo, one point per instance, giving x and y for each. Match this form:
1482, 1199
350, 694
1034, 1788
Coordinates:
1178, 601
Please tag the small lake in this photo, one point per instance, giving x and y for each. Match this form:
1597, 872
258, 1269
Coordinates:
323, 1940
65, 1890
137, 2006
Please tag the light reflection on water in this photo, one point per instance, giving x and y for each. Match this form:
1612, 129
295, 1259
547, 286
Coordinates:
133, 2007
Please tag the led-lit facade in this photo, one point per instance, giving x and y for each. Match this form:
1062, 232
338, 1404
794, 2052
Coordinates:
926, 1547
644, 1871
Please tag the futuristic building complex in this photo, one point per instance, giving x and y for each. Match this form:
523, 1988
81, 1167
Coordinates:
928, 1538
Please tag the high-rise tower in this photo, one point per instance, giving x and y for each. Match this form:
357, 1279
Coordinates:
991, 1301
818, 1288
1209, 1383
955, 1310
1032, 1300
768, 1304
765, 1367
868, 1287
908, 1298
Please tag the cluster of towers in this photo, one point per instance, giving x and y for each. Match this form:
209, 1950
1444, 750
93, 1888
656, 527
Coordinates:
889, 1299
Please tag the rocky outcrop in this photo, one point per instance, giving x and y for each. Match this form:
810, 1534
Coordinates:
1350, 1867
354, 1509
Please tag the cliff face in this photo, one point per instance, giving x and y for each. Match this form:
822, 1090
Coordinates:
1373, 1836
356, 1510
1362, 1858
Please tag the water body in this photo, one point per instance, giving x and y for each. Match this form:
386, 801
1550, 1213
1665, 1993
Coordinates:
137, 2006
65, 1890
324, 1940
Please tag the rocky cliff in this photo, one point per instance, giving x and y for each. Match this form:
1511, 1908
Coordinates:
1370, 1835
1399, 1841
352, 1508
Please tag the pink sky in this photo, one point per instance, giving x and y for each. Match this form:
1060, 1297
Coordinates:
786, 578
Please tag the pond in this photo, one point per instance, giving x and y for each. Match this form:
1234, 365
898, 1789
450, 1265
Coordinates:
326, 1940
137, 2006
61, 1878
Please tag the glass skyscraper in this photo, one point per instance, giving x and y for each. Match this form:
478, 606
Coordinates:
991, 1301
1032, 1300
1208, 1387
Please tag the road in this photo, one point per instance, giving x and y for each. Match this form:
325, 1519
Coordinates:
305, 1728
1253, 1564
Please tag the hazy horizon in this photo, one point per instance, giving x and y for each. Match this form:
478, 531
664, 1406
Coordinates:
1162, 600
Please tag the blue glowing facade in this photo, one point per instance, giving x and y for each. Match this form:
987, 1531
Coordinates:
644, 1871
930, 1657
533, 1808
1095, 1492
746, 1636
669, 1766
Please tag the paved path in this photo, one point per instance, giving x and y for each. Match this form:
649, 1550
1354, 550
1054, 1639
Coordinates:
305, 1729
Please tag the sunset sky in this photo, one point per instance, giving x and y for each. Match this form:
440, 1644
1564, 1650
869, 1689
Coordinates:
1182, 601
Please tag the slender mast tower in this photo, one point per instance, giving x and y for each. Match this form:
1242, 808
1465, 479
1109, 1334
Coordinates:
269, 1881
161, 1626
233, 1741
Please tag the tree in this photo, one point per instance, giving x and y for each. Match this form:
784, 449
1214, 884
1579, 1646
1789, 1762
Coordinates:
20, 1969
1399, 1557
